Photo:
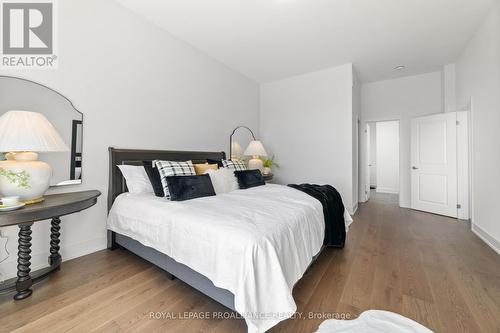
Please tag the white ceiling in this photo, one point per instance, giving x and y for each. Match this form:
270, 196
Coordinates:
272, 39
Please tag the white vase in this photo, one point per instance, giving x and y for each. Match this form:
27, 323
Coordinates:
255, 164
266, 171
28, 179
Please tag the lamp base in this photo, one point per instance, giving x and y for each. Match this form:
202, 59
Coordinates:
28, 179
34, 201
255, 164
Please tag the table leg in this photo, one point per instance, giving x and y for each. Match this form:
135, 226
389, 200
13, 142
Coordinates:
24, 281
55, 257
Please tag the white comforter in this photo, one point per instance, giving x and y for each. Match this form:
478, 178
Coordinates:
256, 243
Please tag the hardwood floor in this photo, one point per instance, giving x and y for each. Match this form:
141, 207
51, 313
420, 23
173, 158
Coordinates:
426, 267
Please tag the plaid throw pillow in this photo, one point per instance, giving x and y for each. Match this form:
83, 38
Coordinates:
235, 165
172, 168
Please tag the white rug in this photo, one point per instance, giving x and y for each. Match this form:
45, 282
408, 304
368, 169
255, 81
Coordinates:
373, 321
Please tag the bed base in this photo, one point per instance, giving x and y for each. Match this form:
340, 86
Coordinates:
178, 270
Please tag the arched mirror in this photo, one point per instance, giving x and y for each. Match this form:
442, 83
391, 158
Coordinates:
239, 140
21, 94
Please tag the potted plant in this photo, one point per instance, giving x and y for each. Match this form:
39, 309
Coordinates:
268, 164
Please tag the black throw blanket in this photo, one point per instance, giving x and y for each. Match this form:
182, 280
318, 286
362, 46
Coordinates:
333, 210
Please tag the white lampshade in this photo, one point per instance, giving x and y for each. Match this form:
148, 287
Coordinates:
29, 131
255, 148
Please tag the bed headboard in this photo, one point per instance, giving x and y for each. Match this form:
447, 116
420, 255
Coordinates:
136, 156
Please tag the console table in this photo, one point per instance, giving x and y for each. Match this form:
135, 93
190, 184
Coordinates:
53, 207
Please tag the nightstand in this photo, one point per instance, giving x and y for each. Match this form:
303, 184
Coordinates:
268, 178
53, 207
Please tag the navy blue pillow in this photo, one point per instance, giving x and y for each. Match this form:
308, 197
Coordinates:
154, 178
189, 187
249, 178
218, 162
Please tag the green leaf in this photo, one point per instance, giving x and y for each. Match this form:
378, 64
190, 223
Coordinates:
20, 178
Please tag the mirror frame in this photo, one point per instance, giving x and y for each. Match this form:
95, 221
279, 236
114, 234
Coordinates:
72, 105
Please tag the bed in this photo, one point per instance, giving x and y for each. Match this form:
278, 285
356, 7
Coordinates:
245, 249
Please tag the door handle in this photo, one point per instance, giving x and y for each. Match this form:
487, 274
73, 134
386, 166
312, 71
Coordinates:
414, 168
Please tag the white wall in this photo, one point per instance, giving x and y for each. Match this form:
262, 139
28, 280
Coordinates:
307, 122
402, 99
387, 147
449, 88
138, 87
478, 79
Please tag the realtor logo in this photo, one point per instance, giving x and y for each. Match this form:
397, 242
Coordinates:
28, 34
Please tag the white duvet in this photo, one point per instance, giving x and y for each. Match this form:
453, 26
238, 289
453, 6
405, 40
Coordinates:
373, 321
256, 243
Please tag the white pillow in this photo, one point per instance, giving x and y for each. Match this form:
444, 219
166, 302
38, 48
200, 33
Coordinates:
223, 180
136, 178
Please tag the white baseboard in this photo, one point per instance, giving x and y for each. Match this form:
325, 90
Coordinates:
487, 238
354, 209
39, 260
387, 190
404, 204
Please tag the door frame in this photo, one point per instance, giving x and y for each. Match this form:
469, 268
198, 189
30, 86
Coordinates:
364, 122
472, 156
367, 171
464, 164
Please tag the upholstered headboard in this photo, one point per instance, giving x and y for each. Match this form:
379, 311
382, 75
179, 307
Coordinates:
117, 183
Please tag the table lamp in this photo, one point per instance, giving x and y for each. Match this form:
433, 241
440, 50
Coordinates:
255, 149
22, 135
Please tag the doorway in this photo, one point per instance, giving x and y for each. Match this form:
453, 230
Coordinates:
382, 158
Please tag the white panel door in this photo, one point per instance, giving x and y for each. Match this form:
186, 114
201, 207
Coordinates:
434, 164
